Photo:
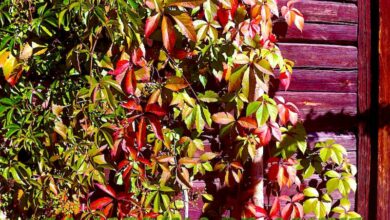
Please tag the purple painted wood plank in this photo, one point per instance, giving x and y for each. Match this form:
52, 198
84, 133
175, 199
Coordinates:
323, 81
318, 103
326, 11
320, 56
322, 33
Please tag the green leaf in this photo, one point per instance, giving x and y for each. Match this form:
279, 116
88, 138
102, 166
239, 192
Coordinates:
209, 96
310, 192
207, 166
99, 159
325, 154
308, 172
262, 115
166, 201
149, 198
16, 176
156, 203
332, 185
252, 108
332, 174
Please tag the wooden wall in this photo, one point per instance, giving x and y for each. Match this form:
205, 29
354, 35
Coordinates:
325, 79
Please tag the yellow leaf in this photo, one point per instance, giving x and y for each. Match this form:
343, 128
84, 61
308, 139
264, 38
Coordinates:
26, 53
3, 57
60, 128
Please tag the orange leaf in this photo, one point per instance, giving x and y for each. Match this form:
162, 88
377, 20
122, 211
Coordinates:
223, 118
247, 122
130, 82
185, 24
186, 3
141, 134
131, 104
175, 83
155, 109
168, 34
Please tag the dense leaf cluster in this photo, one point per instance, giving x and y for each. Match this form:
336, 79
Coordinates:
113, 108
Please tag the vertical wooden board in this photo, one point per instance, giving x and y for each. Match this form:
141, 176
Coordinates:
383, 186
364, 188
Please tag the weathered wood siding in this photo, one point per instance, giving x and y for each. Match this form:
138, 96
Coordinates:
324, 82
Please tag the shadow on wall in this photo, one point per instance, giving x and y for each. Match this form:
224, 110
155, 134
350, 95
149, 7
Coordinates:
339, 123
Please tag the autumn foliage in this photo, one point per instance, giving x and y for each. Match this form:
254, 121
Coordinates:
114, 108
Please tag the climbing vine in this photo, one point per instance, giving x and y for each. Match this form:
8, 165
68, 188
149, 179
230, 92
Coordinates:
114, 108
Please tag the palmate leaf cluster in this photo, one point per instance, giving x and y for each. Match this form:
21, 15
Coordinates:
113, 108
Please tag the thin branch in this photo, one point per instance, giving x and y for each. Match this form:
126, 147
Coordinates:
92, 51
185, 78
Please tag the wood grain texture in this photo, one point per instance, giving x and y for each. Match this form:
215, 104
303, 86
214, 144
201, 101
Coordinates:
324, 81
364, 188
383, 185
323, 33
326, 11
317, 103
320, 56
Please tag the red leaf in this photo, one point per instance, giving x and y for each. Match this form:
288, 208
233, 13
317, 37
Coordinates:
107, 211
285, 78
298, 197
223, 16
247, 122
168, 33
151, 24
132, 104
144, 161
138, 57
141, 134
130, 82
298, 211
287, 211
275, 209
273, 172
123, 163
100, 203
155, 109
121, 66
182, 54
156, 126
13, 78
264, 133
107, 189
152, 215
223, 118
